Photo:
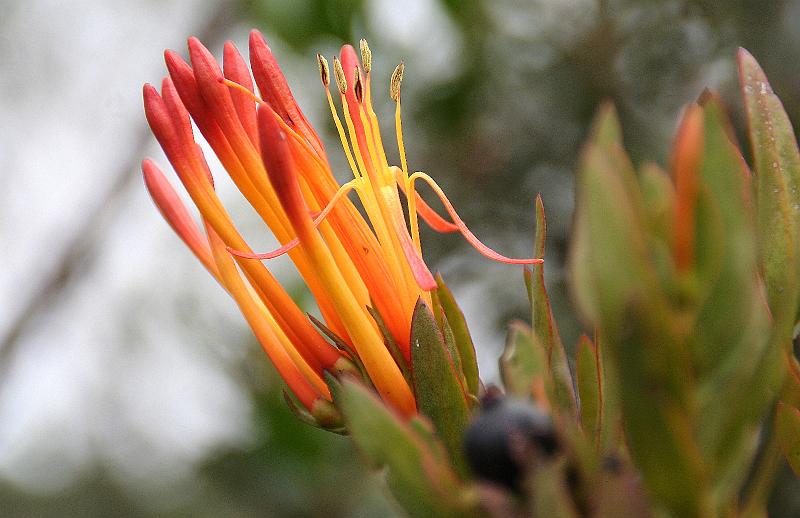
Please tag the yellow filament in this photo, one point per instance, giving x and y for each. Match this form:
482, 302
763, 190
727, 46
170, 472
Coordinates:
377, 141
388, 186
376, 209
368, 90
244, 90
342, 135
411, 194
363, 187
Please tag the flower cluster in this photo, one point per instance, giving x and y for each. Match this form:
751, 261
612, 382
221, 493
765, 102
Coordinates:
364, 269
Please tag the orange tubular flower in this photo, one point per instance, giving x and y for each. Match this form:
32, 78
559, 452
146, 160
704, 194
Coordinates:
350, 263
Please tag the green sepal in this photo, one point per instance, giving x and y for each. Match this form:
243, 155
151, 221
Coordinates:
416, 470
341, 345
523, 363
306, 417
437, 384
787, 429
463, 340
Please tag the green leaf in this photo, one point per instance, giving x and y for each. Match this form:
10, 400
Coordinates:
417, 475
562, 395
523, 363
728, 417
608, 258
437, 386
606, 134
725, 177
452, 351
658, 195
463, 340
653, 363
777, 165
787, 428
590, 390
606, 130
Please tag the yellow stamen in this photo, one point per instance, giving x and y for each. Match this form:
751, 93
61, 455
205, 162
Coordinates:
394, 83
388, 201
409, 186
366, 55
338, 73
324, 71
373, 204
342, 135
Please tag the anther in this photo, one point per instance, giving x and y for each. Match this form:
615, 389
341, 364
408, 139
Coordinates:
366, 55
338, 72
324, 72
394, 85
358, 87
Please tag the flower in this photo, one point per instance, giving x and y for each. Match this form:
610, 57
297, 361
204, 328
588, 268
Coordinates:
366, 274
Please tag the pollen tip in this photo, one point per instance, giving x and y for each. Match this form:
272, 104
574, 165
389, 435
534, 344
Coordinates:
338, 72
397, 79
366, 55
324, 71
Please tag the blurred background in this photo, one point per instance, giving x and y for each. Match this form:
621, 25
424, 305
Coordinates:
129, 384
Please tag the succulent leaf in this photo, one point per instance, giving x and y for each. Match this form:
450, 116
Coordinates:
777, 166
562, 394
437, 385
589, 383
419, 477
463, 340
523, 364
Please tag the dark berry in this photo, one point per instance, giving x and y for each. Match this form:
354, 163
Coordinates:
507, 440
